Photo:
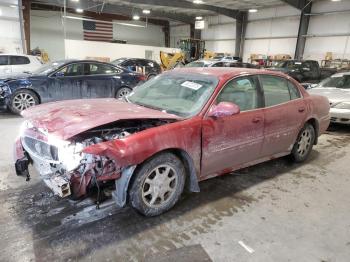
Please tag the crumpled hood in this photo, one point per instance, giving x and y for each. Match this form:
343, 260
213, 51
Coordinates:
17, 76
66, 119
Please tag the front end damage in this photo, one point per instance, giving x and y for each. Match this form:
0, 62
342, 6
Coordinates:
68, 167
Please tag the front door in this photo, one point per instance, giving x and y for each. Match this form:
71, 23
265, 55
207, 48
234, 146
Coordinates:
231, 141
284, 113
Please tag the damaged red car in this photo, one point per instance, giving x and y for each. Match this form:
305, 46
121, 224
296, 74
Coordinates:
181, 127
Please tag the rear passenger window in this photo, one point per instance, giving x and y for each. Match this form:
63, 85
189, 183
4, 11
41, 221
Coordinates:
276, 90
102, 69
19, 60
4, 60
293, 90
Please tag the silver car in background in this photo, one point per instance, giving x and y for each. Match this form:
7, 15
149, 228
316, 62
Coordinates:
337, 89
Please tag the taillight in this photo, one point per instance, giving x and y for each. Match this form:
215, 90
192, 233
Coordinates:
142, 78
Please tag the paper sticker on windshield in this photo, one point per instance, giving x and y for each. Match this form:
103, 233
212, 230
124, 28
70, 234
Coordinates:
191, 85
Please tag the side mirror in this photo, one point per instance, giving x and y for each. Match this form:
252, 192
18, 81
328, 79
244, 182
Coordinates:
58, 74
224, 109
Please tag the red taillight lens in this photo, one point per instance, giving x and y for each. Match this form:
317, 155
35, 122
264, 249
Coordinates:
142, 78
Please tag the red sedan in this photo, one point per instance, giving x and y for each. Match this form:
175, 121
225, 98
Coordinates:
173, 131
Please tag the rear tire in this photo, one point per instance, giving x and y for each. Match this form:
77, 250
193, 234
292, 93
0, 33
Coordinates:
157, 185
151, 76
304, 143
122, 92
23, 99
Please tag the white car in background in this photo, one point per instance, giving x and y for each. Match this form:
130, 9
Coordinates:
337, 89
11, 64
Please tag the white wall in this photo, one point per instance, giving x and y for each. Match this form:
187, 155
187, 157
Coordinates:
330, 31
220, 34
46, 30
10, 31
152, 35
178, 32
78, 49
47, 33
270, 31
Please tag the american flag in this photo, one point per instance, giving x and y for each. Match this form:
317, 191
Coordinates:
98, 31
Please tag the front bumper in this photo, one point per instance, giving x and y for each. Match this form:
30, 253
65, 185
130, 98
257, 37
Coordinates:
56, 182
340, 116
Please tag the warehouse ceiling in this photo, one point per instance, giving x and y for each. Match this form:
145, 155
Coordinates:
228, 4
177, 10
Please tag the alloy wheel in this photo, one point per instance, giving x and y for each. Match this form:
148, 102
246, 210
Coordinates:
123, 92
304, 142
23, 101
159, 186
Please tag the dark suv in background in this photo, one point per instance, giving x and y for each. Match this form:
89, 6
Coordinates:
148, 67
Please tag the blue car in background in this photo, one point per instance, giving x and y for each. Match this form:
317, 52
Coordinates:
68, 79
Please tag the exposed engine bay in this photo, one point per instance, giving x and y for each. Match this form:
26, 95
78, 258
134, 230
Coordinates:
67, 170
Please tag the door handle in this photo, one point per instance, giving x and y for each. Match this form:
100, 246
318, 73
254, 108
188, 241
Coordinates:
301, 109
256, 120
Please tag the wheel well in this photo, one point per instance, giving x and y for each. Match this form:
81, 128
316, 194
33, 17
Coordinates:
31, 90
191, 178
315, 125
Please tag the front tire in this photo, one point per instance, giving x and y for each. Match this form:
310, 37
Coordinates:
23, 99
157, 185
304, 143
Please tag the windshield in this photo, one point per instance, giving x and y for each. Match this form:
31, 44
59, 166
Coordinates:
118, 61
48, 68
287, 64
180, 94
196, 64
336, 81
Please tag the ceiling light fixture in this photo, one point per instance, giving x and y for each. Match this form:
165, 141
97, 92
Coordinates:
197, 1
253, 10
75, 0
199, 17
13, 6
79, 10
336, 0
146, 11
136, 17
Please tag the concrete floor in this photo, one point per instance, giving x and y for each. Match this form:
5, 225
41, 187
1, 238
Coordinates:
276, 211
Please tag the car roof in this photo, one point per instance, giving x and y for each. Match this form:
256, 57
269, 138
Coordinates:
225, 72
14, 54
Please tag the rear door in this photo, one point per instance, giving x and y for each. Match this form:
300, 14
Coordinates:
284, 113
5, 68
101, 80
231, 141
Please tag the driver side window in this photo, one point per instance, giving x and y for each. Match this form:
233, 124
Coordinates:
242, 91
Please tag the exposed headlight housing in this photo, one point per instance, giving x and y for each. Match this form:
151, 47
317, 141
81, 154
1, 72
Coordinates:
4, 88
342, 105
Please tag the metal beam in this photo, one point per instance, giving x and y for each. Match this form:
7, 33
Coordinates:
116, 9
25, 11
302, 32
188, 5
298, 4
241, 25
